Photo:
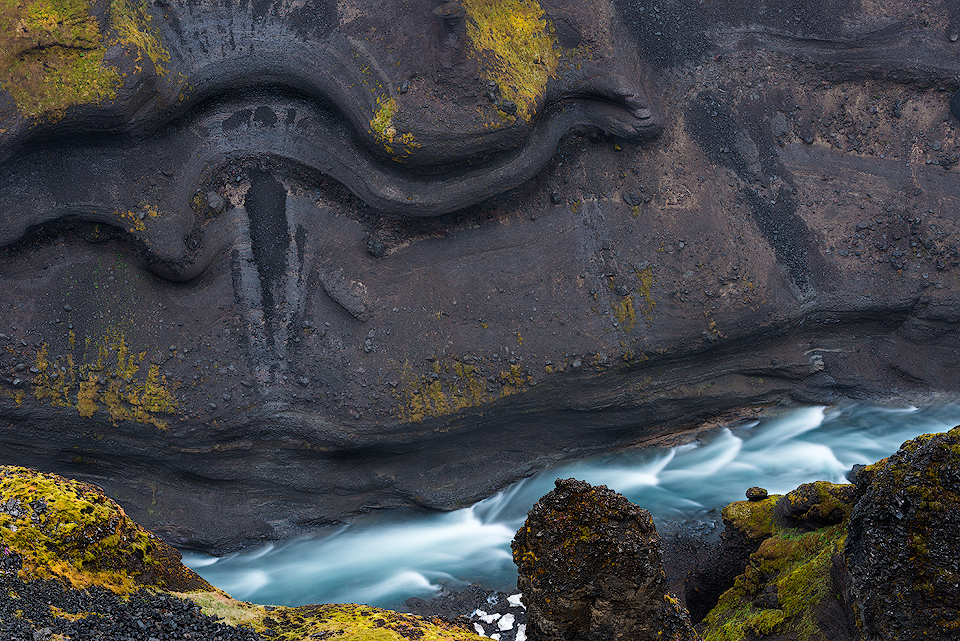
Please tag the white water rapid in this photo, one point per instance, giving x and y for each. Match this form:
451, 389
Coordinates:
383, 559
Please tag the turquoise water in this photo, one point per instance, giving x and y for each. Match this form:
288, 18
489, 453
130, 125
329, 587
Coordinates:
383, 559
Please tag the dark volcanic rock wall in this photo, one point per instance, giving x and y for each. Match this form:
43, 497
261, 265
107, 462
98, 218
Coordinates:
214, 307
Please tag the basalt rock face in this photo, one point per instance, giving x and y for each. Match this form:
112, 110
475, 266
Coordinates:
269, 265
901, 549
590, 569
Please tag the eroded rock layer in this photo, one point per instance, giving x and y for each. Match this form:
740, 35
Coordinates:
232, 295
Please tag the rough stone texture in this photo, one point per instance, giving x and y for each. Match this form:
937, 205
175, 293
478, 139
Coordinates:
747, 524
590, 569
791, 235
815, 505
901, 549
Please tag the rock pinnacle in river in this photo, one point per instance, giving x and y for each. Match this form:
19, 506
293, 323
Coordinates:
590, 569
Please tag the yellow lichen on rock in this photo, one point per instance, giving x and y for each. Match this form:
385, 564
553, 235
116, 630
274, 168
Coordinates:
132, 22
515, 48
114, 382
72, 532
386, 133
452, 386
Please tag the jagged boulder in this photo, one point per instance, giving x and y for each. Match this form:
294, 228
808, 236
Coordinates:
901, 549
590, 570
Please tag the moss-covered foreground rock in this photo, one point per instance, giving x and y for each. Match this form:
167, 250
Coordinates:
786, 590
73, 564
877, 561
71, 531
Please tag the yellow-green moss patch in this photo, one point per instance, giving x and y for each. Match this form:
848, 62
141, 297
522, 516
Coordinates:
345, 622
625, 313
515, 47
73, 532
107, 377
52, 52
753, 518
51, 56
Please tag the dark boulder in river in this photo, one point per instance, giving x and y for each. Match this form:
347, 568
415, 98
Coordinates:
590, 570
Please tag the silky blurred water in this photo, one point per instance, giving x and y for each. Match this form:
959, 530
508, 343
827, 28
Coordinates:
385, 558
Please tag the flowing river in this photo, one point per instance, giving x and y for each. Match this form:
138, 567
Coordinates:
384, 558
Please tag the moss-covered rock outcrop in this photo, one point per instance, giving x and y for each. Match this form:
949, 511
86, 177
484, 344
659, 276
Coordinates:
786, 590
73, 564
72, 532
873, 561
590, 569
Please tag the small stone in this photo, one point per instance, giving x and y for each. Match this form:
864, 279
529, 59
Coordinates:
375, 248
509, 107
756, 494
954, 37
67, 308
632, 198
42, 634
555, 198
303, 381
216, 202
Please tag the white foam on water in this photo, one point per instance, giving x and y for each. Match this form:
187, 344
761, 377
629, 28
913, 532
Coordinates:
383, 559
243, 584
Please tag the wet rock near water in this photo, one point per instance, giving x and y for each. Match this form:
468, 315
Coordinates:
590, 569
493, 614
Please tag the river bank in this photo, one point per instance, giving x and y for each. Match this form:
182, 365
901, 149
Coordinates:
385, 558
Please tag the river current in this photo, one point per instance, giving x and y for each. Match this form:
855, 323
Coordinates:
384, 558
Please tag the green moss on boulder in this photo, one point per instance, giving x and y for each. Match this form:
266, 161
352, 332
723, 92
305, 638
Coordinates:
787, 583
73, 532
